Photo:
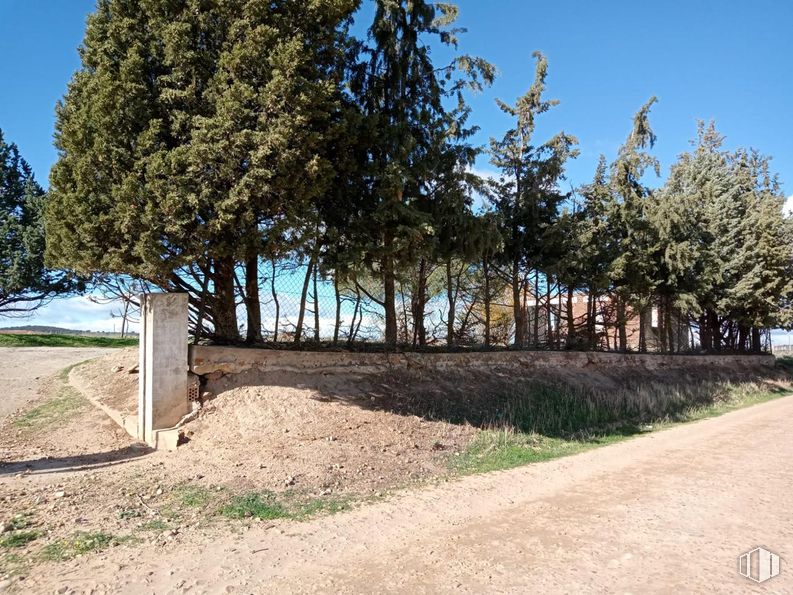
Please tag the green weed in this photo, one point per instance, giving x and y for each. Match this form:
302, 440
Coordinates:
67, 403
258, 505
78, 544
18, 539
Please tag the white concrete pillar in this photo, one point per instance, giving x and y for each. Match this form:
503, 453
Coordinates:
162, 388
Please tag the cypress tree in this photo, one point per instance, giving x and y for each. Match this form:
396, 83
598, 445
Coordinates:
193, 134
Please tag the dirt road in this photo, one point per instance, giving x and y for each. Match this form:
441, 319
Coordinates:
23, 368
663, 513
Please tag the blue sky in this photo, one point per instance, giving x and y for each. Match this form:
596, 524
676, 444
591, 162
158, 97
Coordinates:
703, 59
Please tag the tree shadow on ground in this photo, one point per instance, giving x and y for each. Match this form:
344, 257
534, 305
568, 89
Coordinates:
75, 463
552, 402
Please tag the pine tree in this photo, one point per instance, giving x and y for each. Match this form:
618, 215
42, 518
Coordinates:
633, 271
25, 282
402, 93
527, 195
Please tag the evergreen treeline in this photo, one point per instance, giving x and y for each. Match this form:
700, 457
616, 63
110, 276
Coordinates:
201, 143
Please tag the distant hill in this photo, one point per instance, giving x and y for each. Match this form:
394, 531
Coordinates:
35, 329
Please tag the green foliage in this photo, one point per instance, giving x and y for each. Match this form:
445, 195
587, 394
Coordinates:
254, 505
194, 134
79, 543
198, 139
527, 197
25, 283
18, 539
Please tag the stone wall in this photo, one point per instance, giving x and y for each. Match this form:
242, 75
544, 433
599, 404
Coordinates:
206, 360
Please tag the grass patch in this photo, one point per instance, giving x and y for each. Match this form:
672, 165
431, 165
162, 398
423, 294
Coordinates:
563, 427
19, 521
155, 525
78, 544
257, 505
43, 340
269, 506
57, 410
194, 496
18, 539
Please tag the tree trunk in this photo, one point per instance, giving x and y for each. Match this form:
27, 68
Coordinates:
715, 326
417, 302
351, 337
316, 305
757, 345
642, 328
570, 320
303, 296
451, 297
487, 302
224, 311
705, 337
743, 336
253, 307
621, 325
337, 323
389, 297
517, 308
536, 321
277, 303
548, 322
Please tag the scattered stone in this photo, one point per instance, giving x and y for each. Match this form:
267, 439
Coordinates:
118, 368
60, 494
133, 370
290, 481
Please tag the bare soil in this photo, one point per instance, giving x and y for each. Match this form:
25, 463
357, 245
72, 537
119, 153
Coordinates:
669, 511
21, 369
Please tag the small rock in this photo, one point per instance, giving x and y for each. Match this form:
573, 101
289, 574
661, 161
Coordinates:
290, 481
159, 491
118, 368
63, 590
60, 494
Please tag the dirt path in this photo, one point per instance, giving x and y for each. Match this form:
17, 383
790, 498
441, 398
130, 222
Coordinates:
663, 513
23, 368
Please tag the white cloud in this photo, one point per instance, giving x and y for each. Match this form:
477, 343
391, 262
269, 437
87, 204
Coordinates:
788, 208
75, 313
